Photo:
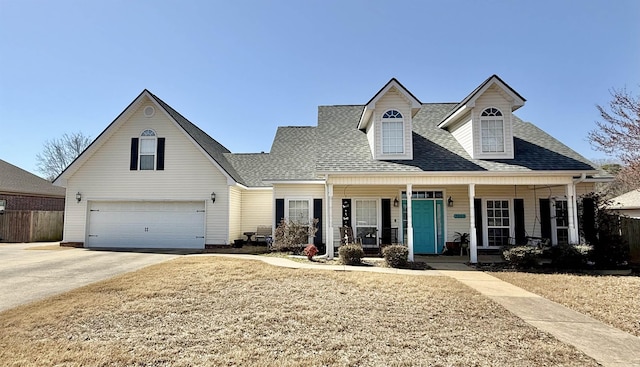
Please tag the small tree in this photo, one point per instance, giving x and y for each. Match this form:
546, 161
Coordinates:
59, 153
600, 228
293, 235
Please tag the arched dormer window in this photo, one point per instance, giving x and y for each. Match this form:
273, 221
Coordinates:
492, 130
392, 132
148, 145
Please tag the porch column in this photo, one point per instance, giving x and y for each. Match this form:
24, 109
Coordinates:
409, 223
572, 214
473, 241
329, 201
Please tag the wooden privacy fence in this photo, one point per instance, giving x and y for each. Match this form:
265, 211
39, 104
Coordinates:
630, 229
31, 226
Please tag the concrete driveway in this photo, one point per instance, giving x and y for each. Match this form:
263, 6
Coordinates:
28, 275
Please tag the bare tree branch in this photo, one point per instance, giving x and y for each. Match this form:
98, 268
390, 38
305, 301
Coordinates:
618, 134
57, 154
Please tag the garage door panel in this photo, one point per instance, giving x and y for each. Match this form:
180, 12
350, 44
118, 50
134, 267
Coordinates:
147, 224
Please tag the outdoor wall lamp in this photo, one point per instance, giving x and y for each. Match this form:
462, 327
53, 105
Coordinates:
78, 197
213, 197
450, 202
396, 202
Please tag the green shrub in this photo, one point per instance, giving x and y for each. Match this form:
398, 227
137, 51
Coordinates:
522, 257
396, 256
351, 254
566, 256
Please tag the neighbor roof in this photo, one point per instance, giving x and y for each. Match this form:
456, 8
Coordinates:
630, 200
15, 180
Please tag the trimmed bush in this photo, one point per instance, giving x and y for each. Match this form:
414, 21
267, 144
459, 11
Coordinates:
310, 251
351, 254
396, 256
565, 256
522, 257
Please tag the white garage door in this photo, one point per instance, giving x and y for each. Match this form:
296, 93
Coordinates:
146, 224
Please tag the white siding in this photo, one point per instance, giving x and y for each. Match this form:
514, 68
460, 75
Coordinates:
393, 100
189, 175
463, 132
235, 213
493, 97
257, 210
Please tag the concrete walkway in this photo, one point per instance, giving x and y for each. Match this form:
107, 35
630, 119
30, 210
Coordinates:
609, 346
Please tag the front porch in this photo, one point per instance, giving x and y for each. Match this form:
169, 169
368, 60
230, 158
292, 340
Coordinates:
425, 217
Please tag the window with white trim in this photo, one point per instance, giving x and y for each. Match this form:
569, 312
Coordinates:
366, 221
148, 144
560, 221
299, 211
498, 222
492, 130
392, 132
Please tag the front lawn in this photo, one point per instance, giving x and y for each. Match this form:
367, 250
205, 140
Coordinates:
614, 300
211, 311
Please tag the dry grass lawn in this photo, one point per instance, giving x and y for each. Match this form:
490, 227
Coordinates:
614, 300
210, 311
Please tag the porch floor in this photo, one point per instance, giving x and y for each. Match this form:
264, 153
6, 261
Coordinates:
457, 259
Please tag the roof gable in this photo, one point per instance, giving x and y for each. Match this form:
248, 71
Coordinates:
371, 105
209, 146
469, 101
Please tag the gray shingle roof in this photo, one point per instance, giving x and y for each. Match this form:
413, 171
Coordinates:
210, 145
15, 180
346, 149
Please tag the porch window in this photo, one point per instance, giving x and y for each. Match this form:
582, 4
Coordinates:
498, 222
366, 221
560, 221
298, 211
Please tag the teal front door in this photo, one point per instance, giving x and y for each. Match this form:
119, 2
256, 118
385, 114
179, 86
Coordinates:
424, 227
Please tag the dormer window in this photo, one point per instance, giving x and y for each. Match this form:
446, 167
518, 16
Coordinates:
392, 132
492, 130
148, 150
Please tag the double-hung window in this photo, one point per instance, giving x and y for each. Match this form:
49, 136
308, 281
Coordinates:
498, 222
148, 143
492, 130
299, 211
366, 220
392, 133
560, 221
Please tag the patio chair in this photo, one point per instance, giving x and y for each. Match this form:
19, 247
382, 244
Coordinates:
263, 234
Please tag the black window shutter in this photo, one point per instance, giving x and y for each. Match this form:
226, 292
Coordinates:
133, 163
317, 214
589, 220
279, 211
477, 204
386, 221
160, 155
545, 218
518, 209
